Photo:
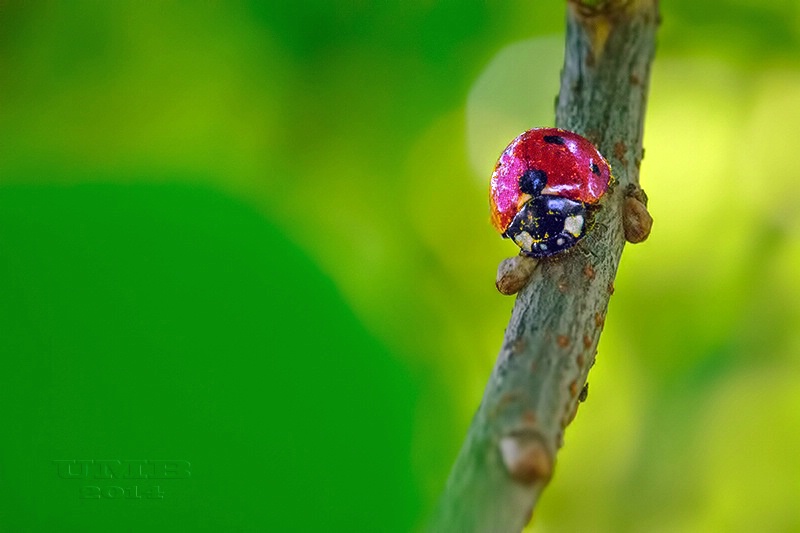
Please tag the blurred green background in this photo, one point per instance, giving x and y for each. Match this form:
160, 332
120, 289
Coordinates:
254, 236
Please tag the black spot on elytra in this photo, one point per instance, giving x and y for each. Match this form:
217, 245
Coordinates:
554, 139
533, 181
595, 168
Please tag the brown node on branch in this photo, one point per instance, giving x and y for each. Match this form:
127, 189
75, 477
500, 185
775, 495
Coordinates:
514, 273
598, 17
588, 8
525, 457
636, 219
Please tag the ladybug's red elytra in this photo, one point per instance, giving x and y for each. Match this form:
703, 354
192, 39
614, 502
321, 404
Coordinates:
545, 188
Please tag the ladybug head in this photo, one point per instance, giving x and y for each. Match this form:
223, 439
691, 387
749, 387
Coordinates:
549, 224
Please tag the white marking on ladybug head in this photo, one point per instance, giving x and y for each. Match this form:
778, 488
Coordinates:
524, 240
574, 225
560, 241
543, 246
548, 190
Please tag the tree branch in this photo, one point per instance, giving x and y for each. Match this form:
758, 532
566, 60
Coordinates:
550, 344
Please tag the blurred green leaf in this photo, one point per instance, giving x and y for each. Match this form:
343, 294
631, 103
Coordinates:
175, 322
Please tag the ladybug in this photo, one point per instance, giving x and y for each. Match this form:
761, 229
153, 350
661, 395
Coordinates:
545, 188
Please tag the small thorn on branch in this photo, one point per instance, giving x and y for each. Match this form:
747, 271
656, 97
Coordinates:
584, 394
514, 273
525, 457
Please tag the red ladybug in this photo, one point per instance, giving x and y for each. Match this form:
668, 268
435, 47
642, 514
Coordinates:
545, 188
